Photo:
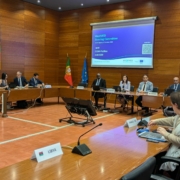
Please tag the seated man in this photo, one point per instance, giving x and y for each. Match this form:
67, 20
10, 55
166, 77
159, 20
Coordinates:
144, 86
20, 81
176, 85
36, 82
102, 84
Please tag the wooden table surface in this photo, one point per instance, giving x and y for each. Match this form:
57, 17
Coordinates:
114, 153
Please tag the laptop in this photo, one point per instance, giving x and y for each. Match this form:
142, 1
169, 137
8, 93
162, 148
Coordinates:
117, 88
96, 88
167, 92
152, 135
12, 85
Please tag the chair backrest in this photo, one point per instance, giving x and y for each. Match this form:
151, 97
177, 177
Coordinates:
142, 172
155, 89
132, 88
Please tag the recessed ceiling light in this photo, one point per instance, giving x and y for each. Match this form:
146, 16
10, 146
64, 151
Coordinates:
82, 4
107, 0
38, 1
59, 8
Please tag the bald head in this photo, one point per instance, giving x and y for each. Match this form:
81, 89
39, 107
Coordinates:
176, 80
98, 76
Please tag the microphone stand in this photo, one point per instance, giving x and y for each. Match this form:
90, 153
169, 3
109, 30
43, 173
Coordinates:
83, 149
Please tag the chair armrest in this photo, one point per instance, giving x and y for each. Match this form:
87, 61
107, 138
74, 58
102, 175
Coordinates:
171, 159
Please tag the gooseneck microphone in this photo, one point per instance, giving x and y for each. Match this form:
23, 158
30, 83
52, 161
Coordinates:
87, 132
82, 149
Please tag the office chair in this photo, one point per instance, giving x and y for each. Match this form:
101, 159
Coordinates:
155, 89
143, 172
162, 177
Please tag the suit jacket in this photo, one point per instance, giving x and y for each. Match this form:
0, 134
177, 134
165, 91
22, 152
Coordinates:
102, 83
149, 86
32, 82
176, 88
23, 80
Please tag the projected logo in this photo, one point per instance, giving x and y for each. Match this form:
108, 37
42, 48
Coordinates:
141, 61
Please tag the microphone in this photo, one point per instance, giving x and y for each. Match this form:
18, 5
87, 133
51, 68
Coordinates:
82, 149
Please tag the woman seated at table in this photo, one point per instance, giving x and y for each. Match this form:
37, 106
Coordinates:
125, 87
173, 138
3, 81
4, 85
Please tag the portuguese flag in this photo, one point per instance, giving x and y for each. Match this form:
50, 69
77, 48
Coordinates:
68, 76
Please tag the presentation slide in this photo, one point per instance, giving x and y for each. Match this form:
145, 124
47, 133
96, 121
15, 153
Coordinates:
130, 46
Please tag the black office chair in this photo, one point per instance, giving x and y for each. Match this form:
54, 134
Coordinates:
143, 172
162, 177
155, 89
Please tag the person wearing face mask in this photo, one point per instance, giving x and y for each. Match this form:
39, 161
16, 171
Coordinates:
102, 84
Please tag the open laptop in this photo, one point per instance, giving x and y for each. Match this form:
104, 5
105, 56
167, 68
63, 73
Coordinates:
12, 85
117, 88
96, 88
167, 92
152, 135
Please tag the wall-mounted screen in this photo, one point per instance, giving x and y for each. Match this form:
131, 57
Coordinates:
126, 43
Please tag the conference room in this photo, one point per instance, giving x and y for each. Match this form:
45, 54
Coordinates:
65, 49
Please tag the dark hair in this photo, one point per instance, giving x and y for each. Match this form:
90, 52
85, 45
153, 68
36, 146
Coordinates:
126, 80
175, 98
36, 74
3, 76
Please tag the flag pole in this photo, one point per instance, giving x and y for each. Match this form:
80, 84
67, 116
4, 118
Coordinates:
67, 55
86, 55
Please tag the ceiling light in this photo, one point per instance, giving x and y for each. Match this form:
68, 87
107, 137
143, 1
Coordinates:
82, 4
59, 8
38, 1
107, 0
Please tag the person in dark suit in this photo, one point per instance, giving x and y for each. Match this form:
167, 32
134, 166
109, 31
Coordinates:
102, 84
20, 81
36, 82
176, 85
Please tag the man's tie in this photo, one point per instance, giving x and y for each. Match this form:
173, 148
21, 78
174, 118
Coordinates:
20, 82
144, 86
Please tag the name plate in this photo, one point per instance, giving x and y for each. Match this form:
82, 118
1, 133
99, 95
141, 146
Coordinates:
80, 87
111, 90
131, 123
152, 93
47, 86
47, 152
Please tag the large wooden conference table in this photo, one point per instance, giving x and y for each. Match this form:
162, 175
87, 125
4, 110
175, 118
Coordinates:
65, 91
114, 153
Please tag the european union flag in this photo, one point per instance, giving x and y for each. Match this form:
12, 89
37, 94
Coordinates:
84, 72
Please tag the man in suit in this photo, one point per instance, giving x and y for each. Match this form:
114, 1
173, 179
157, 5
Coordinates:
20, 81
36, 82
102, 84
144, 86
176, 85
